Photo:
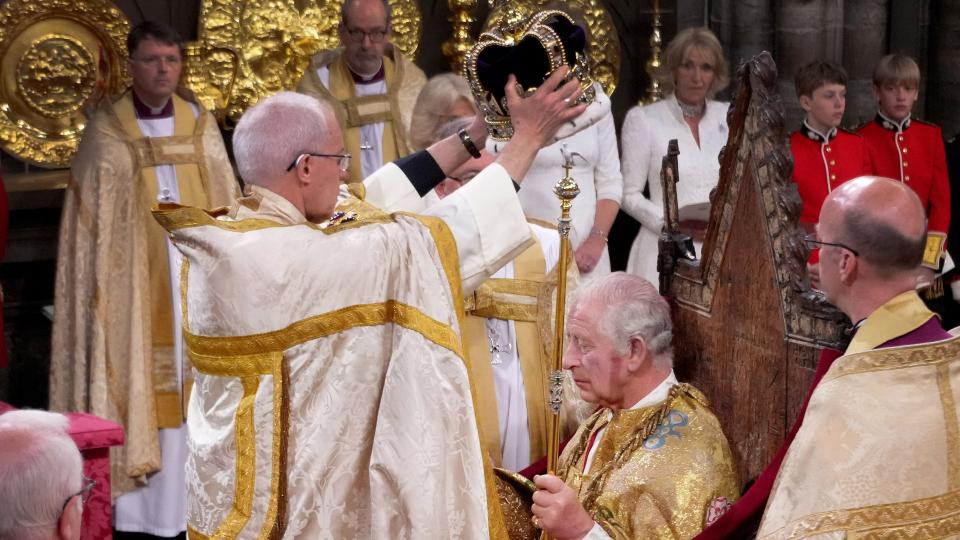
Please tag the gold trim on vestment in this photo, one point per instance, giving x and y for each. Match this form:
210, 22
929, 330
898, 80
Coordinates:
906, 356
933, 528
507, 312
450, 259
903, 516
952, 426
174, 217
225, 349
245, 468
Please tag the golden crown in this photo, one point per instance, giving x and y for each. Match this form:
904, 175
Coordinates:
531, 49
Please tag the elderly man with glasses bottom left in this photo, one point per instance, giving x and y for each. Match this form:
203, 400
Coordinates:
41, 482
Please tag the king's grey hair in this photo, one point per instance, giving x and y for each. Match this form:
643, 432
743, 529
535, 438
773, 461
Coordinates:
631, 308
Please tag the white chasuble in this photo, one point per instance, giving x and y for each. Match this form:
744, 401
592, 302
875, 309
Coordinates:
331, 397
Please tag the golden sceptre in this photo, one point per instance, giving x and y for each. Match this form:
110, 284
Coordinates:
566, 190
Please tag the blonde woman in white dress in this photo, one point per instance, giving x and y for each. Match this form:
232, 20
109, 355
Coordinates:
694, 70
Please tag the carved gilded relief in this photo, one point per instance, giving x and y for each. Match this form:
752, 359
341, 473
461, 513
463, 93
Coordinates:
604, 44
58, 57
248, 49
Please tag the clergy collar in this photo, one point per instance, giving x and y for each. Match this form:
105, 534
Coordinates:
901, 314
815, 135
146, 112
892, 125
361, 79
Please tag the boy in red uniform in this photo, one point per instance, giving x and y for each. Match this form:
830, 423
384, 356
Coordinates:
824, 154
909, 150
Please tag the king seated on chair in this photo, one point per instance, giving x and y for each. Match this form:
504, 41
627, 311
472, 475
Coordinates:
652, 462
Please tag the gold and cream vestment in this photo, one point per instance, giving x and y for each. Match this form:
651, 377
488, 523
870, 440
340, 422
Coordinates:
331, 396
374, 119
113, 347
878, 454
658, 470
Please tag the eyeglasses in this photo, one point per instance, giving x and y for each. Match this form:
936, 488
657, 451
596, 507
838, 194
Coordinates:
813, 243
356, 35
84, 493
342, 159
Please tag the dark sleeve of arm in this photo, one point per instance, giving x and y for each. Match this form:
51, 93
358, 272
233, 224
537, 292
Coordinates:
422, 171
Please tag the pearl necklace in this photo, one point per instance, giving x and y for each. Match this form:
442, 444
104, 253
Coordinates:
692, 111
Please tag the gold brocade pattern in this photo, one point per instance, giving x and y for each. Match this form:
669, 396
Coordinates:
870, 409
942, 512
895, 358
656, 470
952, 426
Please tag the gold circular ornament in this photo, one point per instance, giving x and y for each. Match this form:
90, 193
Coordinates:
603, 42
56, 75
249, 49
58, 58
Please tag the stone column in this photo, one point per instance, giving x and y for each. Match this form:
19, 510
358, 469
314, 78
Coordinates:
805, 31
943, 70
864, 44
744, 27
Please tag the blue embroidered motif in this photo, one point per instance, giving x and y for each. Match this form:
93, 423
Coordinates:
674, 419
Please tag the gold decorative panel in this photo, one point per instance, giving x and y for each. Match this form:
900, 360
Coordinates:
58, 58
604, 44
248, 49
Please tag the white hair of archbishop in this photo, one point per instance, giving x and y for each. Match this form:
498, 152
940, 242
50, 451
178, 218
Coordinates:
272, 133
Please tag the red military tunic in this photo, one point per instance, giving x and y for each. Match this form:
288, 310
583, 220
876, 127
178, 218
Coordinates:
823, 162
912, 152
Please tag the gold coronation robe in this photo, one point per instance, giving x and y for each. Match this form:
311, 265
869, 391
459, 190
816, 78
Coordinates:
404, 80
113, 348
878, 454
332, 397
663, 471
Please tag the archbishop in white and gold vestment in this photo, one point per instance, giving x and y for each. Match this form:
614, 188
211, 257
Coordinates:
114, 351
332, 399
878, 454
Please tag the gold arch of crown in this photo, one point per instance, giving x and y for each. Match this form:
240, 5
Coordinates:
510, 30
604, 42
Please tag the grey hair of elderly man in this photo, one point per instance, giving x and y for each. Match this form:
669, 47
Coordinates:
632, 308
41, 477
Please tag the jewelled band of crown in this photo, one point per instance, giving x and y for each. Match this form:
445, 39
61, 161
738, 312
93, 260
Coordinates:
505, 34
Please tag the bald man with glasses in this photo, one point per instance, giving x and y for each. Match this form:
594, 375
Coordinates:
371, 87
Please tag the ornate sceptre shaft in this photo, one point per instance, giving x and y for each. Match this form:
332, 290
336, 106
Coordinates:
566, 190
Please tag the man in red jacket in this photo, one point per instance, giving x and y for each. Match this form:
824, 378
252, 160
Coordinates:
909, 150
